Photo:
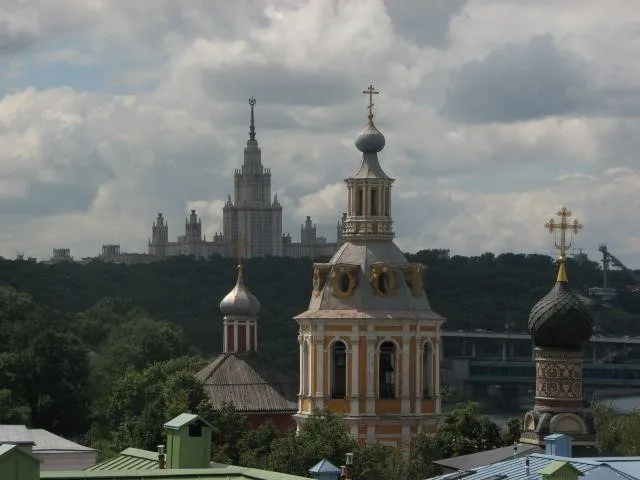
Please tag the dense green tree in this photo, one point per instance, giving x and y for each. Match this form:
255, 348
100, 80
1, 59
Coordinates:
255, 446
618, 433
322, 435
511, 431
58, 380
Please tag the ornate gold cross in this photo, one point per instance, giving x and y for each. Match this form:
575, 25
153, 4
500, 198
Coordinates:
371, 91
563, 226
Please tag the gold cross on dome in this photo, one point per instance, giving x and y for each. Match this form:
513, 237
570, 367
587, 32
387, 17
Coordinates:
563, 226
371, 91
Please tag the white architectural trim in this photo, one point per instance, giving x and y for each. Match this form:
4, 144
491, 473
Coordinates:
354, 393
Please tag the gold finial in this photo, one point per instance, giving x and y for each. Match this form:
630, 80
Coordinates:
563, 226
562, 273
371, 91
240, 270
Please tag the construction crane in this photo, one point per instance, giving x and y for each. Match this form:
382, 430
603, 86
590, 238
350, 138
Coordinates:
609, 260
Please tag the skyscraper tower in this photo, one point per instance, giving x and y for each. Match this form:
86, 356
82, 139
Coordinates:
252, 222
369, 341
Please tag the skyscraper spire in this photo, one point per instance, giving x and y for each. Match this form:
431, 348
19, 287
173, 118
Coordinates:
252, 127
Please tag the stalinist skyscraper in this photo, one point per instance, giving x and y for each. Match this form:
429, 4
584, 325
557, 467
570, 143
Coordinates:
252, 222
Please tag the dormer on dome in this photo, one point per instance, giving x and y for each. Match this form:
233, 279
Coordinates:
240, 301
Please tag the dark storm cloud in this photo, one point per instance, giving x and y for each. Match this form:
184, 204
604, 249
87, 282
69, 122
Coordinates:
16, 34
518, 82
424, 22
276, 84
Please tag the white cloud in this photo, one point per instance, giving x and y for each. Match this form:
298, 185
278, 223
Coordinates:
81, 165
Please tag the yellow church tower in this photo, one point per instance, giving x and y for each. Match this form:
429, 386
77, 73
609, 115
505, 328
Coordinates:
369, 342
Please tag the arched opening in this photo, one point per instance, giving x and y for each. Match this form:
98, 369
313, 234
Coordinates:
345, 283
338, 370
374, 202
427, 370
387, 370
359, 201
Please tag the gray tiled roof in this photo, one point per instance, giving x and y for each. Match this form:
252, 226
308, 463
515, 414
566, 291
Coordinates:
16, 434
248, 382
46, 441
488, 457
363, 302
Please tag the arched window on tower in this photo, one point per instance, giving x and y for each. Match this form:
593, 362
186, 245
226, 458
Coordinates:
387, 370
339, 370
373, 209
359, 201
427, 370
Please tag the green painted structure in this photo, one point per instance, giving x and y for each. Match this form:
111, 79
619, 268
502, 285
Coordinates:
558, 470
18, 464
188, 442
129, 459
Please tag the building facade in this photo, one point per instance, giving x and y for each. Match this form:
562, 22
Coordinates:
370, 342
252, 220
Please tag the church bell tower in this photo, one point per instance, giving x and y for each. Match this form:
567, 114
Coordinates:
369, 341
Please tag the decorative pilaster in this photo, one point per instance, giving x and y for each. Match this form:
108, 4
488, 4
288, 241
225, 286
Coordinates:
355, 375
371, 363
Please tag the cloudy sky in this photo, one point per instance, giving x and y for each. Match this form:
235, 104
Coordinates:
496, 113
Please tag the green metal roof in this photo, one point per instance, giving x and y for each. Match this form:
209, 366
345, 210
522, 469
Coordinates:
184, 419
228, 472
129, 459
558, 465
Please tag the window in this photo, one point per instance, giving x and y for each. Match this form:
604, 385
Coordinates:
359, 201
427, 370
339, 370
387, 370
195, 430
374, 204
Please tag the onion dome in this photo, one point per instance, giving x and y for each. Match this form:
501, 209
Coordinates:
370, 139
560, 319
240, 301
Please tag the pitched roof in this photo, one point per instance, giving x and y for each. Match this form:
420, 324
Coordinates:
216, 472
248, 382
515, 469
46, 441
488, 457
130, 459
16, 434
556, 466
10, 447
324, 466
184, 419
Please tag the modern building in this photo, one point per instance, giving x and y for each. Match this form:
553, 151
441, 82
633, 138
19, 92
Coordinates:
240, 375
369, 341
252, 220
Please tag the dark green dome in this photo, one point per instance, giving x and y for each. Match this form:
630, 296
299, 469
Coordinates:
560, 319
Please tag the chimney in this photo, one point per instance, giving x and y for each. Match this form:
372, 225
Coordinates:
345, 470
161, 457
558, 445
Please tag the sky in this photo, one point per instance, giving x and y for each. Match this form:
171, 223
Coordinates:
496, 114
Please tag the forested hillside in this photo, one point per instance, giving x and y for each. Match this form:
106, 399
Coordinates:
472, 292
106, 353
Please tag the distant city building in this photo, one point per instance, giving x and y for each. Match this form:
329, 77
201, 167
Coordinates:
60, 255
252, 221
